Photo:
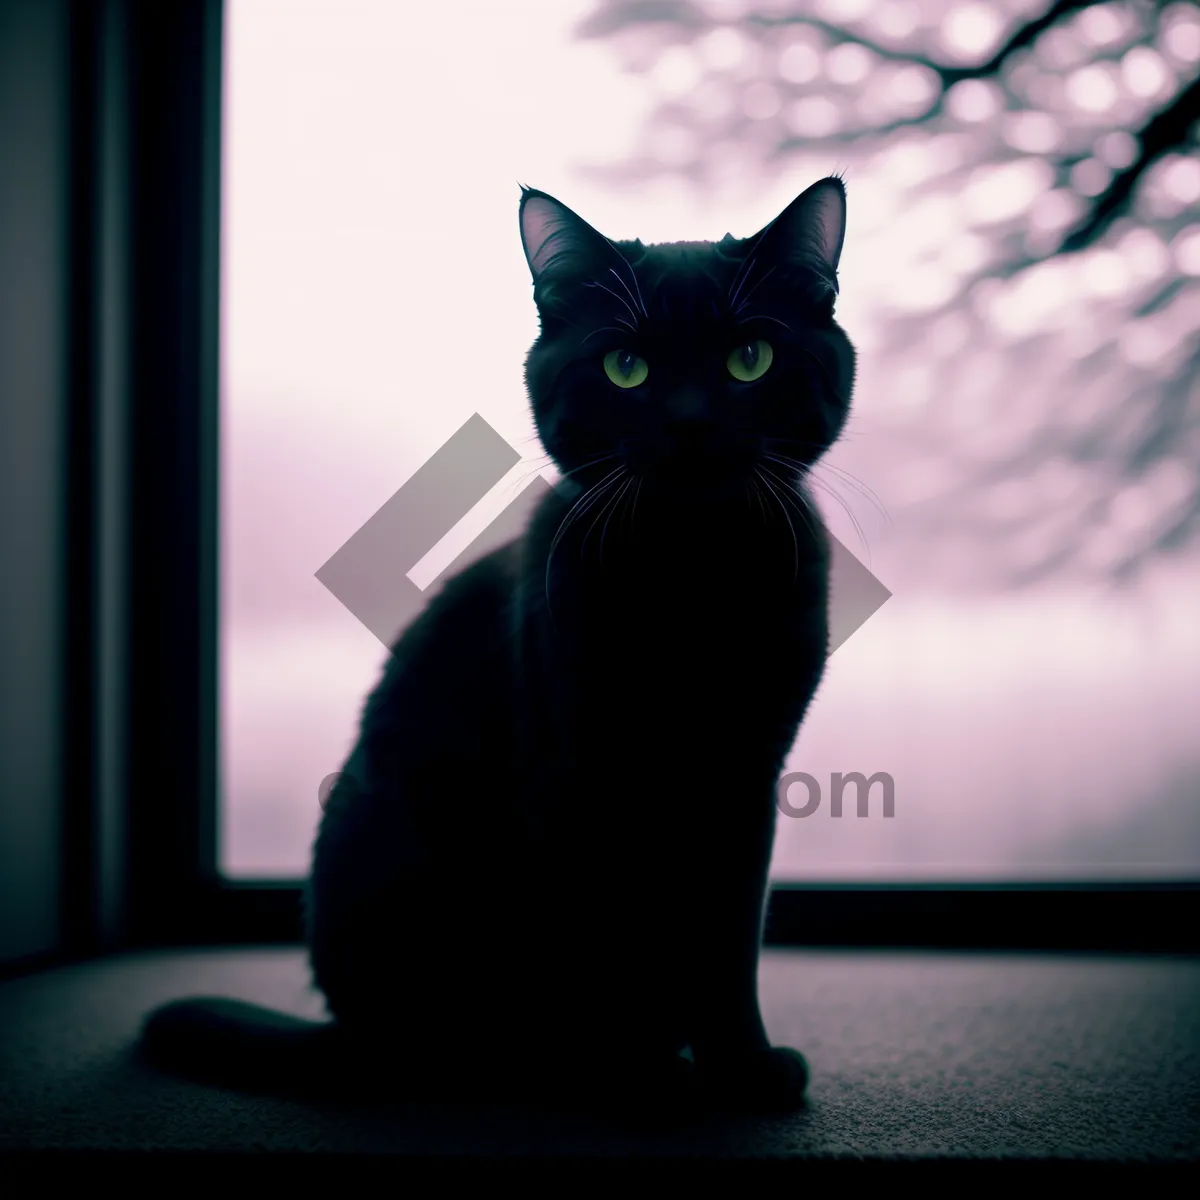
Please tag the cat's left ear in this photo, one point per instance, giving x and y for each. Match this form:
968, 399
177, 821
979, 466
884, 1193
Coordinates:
811, 230
561, 248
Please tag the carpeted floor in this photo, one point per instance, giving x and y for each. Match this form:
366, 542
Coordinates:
914, 1057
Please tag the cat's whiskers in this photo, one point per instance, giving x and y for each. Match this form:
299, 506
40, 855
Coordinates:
608, 329
524, 478
793, 480
845, 476
759, 471
621, 495
545, 460
616, 296
801, 501
594, 463
746, 298
740, 279
638, 299
764, 317
829, 491
581, 505
755, 490
613, 491
597, 513
587, 500
860, 488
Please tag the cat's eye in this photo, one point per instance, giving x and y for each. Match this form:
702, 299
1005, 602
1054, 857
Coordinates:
751, 361
625, 368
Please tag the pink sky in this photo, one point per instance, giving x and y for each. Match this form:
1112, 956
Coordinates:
373, 152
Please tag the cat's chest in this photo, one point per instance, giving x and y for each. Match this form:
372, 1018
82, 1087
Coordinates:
723, 612
688, 638
702, 653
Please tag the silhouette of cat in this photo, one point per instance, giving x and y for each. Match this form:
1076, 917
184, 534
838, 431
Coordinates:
542, 871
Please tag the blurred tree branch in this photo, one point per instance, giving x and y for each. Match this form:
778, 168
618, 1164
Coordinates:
1121, 417
1165, 131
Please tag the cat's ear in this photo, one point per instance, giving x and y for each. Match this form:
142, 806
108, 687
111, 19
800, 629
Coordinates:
811, 230
561, 248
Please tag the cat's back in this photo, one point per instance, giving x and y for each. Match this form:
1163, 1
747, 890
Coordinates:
400, 816
448, 655
435, 714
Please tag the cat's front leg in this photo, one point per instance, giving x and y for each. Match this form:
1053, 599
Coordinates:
736, 1062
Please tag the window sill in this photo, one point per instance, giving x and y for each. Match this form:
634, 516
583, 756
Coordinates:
919, 1058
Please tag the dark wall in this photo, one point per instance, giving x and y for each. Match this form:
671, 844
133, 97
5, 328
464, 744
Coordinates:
34, 243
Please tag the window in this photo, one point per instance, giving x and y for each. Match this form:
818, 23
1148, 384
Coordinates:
1033, 731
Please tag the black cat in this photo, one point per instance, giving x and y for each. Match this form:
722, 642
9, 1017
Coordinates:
542, 870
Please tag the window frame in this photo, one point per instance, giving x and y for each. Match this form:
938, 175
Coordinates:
145, 549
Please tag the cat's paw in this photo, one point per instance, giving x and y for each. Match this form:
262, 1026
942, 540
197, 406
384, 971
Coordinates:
772, 1080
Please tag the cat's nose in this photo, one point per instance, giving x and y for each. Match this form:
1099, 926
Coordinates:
686, 405
688, 420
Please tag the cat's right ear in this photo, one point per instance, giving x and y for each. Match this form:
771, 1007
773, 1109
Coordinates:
811, 229
561, 248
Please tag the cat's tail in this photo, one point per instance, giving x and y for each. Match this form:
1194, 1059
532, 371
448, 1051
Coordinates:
246, 1047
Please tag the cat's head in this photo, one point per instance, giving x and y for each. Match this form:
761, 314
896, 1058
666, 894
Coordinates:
689, 363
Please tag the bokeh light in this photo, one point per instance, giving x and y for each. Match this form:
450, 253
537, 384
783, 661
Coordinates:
1144, 73
971, 29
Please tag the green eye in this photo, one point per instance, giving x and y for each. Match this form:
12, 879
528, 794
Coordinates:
625, 369
751, 361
